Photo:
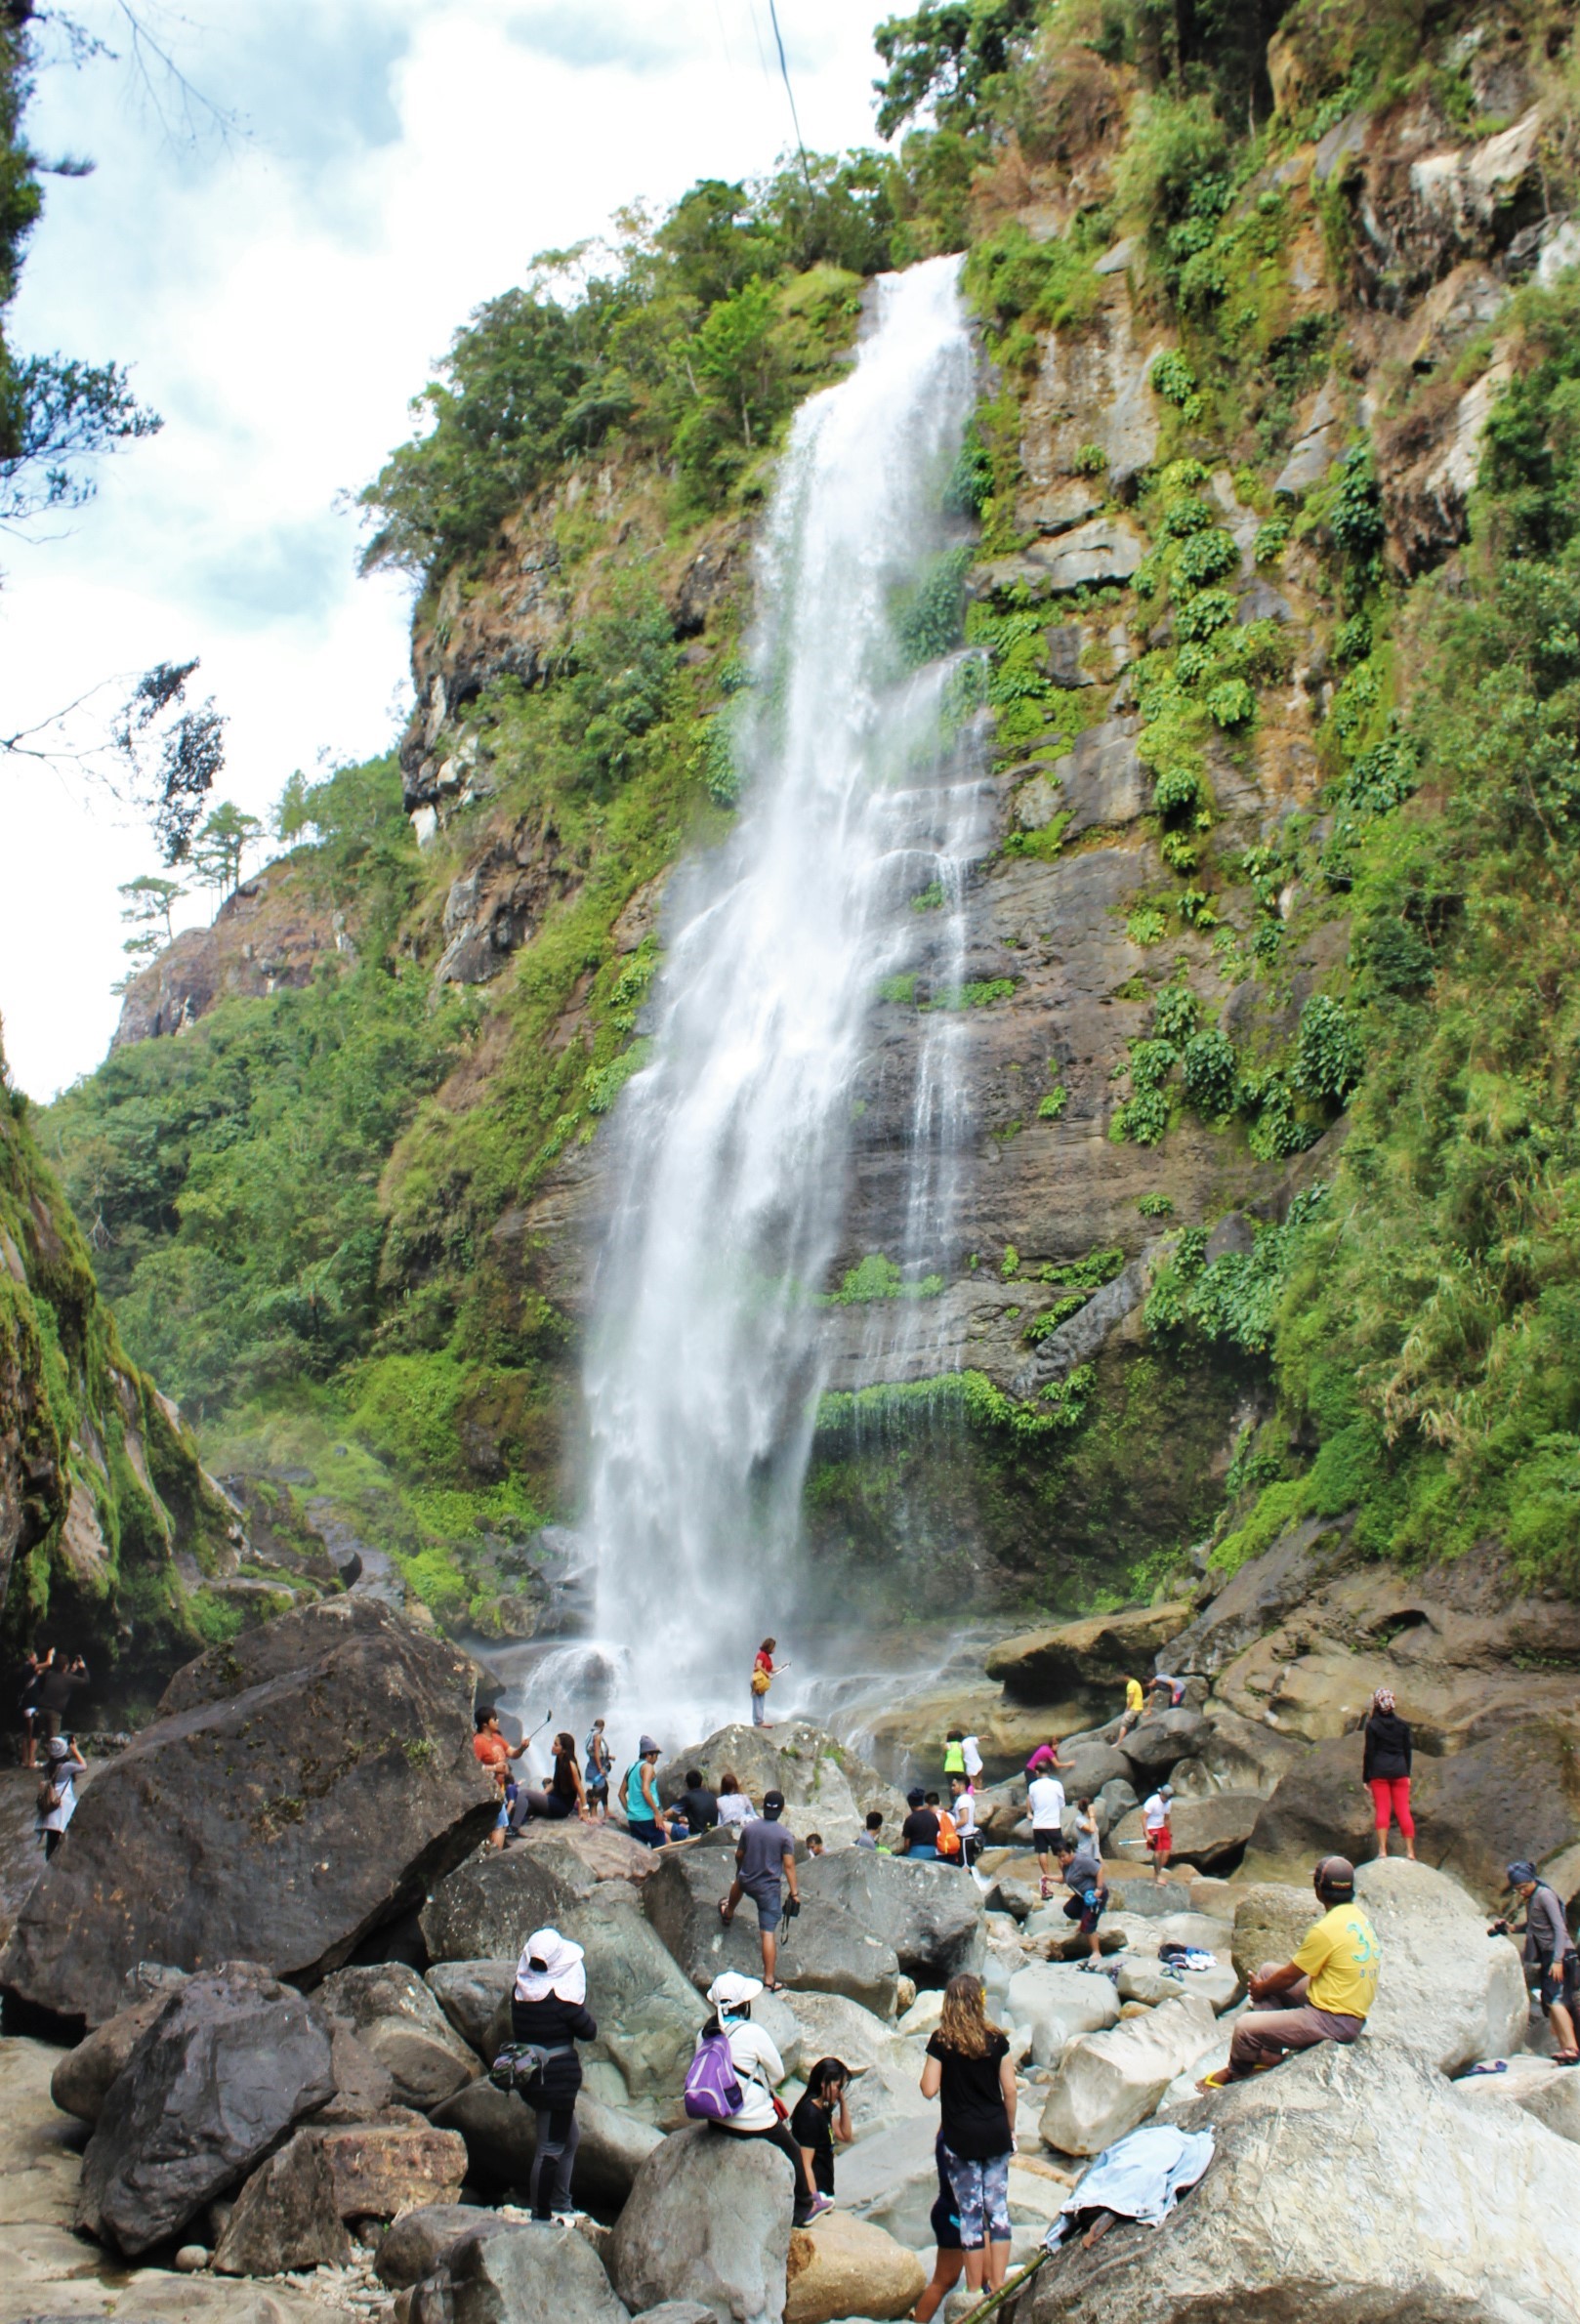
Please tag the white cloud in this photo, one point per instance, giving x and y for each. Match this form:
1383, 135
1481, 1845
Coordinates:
279, 300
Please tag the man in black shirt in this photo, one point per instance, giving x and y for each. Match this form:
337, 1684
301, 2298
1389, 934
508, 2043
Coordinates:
59, 1683
919, 1833
697, 1804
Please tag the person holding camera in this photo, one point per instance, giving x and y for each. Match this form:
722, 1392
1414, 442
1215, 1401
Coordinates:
1550, 1951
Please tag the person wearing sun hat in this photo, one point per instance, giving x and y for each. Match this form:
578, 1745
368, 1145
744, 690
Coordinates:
57, 1793
759, 2070
549, 2010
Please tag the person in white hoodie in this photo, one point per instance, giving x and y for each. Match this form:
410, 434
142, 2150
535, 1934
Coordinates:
759, 2069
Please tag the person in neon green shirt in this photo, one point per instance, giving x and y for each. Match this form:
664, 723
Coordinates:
1323, 1994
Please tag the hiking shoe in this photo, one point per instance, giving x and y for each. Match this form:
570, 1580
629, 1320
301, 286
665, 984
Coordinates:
819, 2204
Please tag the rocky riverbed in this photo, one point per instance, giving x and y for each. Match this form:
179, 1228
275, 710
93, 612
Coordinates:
255, 1995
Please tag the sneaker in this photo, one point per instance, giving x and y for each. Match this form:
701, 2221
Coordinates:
815, 2209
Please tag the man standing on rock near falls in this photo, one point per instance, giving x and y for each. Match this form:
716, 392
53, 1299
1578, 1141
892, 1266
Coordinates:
1330, 1984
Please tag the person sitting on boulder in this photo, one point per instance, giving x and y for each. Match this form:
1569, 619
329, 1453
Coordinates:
820, 2117
1325, 1994
1549, 1950
765, 1860
868, 1836
919, 1833
493, 1752
967, 2069
1386, 1771
549, 2009
734, 1805
1159, 1830
644, 1818
759, 2069
1088, 1898
699, 1803
565, 1795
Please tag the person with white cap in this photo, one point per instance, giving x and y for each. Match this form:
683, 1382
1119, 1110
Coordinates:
759, 2069
548, 2011
57, 1793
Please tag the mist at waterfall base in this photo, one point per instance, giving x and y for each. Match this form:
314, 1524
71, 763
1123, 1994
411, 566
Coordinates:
731, 1145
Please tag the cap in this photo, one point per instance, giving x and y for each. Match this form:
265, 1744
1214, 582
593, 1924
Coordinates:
646, 1745
58, 1748
730, 1990
916, 1797
1519, 1871
772, 1801
1335, 1872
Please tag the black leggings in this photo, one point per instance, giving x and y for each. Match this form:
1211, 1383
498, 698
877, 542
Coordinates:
780, 2137
559, 2136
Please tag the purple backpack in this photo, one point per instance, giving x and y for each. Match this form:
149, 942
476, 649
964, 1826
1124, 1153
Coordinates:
712, 2092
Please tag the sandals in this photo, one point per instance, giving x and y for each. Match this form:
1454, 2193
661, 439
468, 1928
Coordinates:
724, 1913
776, 1987
1566, 2057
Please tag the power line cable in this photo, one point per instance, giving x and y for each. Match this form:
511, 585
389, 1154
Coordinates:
784, 70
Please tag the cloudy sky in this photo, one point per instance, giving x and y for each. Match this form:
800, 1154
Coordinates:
279, 295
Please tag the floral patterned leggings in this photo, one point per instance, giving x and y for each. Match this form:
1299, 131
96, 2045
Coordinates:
981, 2193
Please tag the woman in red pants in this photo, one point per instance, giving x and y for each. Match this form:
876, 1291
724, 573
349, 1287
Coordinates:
1386, 1771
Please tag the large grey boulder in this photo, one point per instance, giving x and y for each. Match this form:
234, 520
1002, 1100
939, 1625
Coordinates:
1270, 1920
929, 1915
1210, 1833
306, 1783
825, 1950
648, 2012
708, 2220
81, 2081
827, 1787
1448, 1992
892, 2178
500, 2131
395, 2017
489, 1905
286, 2216
474, 1996
421, 2240
829, 2025
1351, 2185
1106, 2083
518, 2274
1159, 1743
1054, 2001
231, 2061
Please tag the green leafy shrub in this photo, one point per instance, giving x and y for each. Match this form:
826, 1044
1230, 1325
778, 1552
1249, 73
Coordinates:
1329, 1055
1176, 1014
1175, 381
1054, 1104
1205, 557
1210, 1068
1231, 703
1204, 615
1155, 1206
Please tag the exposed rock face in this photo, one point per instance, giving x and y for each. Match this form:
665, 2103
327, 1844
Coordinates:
1050, 1666
285, 2215
823, 1952
270, 934
380, 2168
1351, 2187
303, 1808
1449, 1992
232, 2063
1106, 2083
506, 2274
708, 2220
403, 2027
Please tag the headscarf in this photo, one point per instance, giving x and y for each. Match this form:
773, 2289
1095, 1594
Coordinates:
1382, 1699
561, 1973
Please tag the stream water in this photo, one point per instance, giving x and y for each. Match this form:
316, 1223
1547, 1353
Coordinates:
731, 1147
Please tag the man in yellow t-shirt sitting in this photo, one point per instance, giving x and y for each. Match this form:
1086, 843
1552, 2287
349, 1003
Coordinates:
1322, 1995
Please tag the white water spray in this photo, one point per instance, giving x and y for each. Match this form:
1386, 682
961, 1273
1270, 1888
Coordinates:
733, 1144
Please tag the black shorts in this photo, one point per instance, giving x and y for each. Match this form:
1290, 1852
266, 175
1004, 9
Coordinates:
1045, 1843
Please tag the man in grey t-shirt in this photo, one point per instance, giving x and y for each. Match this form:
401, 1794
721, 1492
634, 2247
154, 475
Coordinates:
765, 1858
1550, 1950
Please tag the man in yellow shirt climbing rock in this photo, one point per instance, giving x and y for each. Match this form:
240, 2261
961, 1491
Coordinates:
1322, 1995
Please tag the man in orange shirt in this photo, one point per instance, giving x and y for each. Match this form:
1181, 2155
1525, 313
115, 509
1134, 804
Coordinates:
496, 1753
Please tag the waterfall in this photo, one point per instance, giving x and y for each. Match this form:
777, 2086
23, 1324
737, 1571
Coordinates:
732, 1145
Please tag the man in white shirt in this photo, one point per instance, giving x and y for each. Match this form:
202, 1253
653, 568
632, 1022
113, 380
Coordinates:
759, 2069
963, 1808
1155, 1823
1045, 1797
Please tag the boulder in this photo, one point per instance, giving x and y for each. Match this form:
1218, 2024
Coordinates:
82, 2079
1556, 2104
1520, 1780
423, 2239
1106, 2083
676, 2312
491, 1904
1269, 1922
892, 2178
1147, 1898
648, 2012
1155, 1745
928, 1915
1206, 1832
380, 2168
1319, 1808
1246, 1755
518, 2274
1353, 2185
888, 2089
474, 1996
397, 2018
310, 1781
1056, 2000
827, 1788
841, 2266
229, 2063
708, 2220
1448, 1992
286, 2216
363, 2088
1095, 1655
825, 1951
501, 2131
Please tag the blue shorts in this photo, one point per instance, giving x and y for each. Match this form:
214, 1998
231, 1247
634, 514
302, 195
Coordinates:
647, 1832
768, 1894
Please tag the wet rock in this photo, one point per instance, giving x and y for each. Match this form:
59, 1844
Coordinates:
286, 2216
708, 2220
1106, 2083
310, 1780
423, 2239
382, 2167
824, 1951
232, 2060
518, 2274
843, 2266
500, 2131
929, 1916
397, 2018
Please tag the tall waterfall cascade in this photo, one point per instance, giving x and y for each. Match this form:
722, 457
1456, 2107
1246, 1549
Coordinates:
733, 1144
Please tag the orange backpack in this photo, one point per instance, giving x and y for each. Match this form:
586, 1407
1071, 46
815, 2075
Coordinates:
948, 1835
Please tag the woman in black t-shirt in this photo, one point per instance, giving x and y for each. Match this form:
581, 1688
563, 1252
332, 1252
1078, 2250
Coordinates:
820, 2117
967, 2069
